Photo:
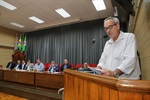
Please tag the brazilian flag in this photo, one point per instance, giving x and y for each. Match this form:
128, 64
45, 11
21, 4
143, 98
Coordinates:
20, 43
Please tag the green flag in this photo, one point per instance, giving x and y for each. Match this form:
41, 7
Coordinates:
24, 45
20, 43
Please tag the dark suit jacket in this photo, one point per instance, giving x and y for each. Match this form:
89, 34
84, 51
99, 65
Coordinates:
12, 65
55, 68
24, 67
20, 66
62, 66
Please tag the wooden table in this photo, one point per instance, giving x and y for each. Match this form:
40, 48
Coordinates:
1, 74
37, 79
49, 80
23, 77
85, 86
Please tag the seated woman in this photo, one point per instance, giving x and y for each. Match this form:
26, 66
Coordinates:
53, 67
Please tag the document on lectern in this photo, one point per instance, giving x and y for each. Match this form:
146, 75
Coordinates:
96, 70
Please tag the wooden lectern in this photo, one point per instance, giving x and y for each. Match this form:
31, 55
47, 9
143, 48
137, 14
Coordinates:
86, 86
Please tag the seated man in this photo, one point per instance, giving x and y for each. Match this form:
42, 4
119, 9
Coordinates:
18, 65
10, 65
53, 67
85, 65
65, 65
23, 67
39, 66
29, 66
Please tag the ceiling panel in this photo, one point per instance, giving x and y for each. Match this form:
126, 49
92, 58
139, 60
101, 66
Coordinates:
45, 10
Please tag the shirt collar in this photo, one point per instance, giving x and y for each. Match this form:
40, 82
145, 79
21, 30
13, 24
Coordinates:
121, 37
38, 64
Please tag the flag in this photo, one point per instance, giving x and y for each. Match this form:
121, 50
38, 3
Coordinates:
16, 43
24, 45
20, 43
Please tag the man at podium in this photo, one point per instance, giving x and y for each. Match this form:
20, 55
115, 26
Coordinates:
119, 58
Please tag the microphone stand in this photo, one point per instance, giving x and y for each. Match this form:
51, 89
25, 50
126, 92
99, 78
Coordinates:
94, 47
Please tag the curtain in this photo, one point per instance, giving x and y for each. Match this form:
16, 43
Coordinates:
74, 42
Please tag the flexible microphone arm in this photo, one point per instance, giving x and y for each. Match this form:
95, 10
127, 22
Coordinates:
105, 36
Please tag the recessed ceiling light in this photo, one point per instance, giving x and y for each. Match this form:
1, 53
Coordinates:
99, 4
7, 5
36, 19
63, 13
18, 25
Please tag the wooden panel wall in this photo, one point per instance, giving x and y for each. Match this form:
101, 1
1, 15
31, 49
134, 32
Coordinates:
142, 32
48, 80
7, 36
19, 77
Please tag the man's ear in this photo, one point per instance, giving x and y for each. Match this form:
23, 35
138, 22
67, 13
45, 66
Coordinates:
118, 26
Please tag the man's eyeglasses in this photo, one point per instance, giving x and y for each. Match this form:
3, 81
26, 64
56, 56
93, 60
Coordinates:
109, 27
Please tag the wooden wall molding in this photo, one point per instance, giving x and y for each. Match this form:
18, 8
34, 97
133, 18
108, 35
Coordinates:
7, 45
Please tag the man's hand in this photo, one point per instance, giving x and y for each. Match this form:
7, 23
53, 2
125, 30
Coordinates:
99, 67
107, 72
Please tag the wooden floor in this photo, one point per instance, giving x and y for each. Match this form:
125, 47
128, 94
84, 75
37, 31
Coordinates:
4, 96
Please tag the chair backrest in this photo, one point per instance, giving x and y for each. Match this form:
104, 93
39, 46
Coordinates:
72, 65
79, 65
46, 66
92, 65
59, 67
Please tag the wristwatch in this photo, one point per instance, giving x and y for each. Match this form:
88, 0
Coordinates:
116, 74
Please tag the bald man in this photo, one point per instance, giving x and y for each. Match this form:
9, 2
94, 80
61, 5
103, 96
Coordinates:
39, 66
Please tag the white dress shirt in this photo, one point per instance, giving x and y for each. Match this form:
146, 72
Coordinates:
39, 67
52, 70
16, 68
23, 66
122, 54
9, 65
30, 66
